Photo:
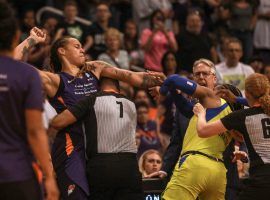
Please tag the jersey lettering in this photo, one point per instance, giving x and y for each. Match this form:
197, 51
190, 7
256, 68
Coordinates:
266, 127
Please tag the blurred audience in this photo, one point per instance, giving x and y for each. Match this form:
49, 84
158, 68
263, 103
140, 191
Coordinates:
97, 29
146, 130
232, 71
156, 41
113, 54
193, 43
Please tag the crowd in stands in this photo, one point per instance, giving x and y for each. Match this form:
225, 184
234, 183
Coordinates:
165, 36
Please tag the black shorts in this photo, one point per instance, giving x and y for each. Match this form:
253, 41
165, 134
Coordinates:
114, 176
23, 190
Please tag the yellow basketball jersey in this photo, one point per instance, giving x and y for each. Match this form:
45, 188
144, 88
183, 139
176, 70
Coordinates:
214, 145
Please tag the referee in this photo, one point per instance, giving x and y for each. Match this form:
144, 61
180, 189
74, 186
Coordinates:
110, 124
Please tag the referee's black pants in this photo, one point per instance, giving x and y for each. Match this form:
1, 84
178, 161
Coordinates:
114, 177
257, 186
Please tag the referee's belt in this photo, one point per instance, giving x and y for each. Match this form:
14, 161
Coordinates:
203, 154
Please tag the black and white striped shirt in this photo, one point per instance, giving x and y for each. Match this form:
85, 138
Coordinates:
254, 124
110, 123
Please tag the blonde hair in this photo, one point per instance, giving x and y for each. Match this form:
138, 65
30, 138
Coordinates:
257, 85
112, 32
143, 158
206, 62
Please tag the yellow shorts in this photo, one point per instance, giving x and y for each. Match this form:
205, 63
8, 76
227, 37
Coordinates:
197, 176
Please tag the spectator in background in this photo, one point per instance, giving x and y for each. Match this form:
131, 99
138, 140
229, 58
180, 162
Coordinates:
156, 41
193, 43
262, 31
146, 130
143, 10
49, 24
23, 140
131, 44
232, 71
150, 162
142, 96
97, 30
28, 22
241, 16
70, 27
256, 63
114, 55
267, 71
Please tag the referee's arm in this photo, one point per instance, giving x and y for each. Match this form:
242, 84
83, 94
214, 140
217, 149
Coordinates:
63, 120
72, 114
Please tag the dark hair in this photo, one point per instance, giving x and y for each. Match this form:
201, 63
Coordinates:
236, 92
153, 15
70, 3
234, 40
163, 61
8, 26
105, 80
141, 104
55, 61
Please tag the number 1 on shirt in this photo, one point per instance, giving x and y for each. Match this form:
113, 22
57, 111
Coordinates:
121, 108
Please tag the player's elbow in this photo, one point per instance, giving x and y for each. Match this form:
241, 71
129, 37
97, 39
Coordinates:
202, 133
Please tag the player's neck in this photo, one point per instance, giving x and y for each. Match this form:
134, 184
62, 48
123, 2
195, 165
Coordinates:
110, 90
72, 70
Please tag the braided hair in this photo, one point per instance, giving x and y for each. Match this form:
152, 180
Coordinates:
55, 61
236, 92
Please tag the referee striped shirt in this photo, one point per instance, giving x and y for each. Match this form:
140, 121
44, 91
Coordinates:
109, 123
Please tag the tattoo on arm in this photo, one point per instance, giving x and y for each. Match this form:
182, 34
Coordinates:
31, 42
149, 81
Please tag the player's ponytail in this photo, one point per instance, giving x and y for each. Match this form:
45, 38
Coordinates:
258, 86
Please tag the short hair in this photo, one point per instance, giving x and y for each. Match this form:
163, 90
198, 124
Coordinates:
114, 82
207, 62
234, 40
71, 3
8, 26
112, 32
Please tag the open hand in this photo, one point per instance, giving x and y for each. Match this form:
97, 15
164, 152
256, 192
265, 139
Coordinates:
239, 155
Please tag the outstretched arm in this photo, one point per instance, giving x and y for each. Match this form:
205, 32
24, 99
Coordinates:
205, 129
36, 36
187, 86
230, 97
137, 79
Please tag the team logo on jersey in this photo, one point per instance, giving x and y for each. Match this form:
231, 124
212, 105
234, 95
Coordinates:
189, 83
71, 188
